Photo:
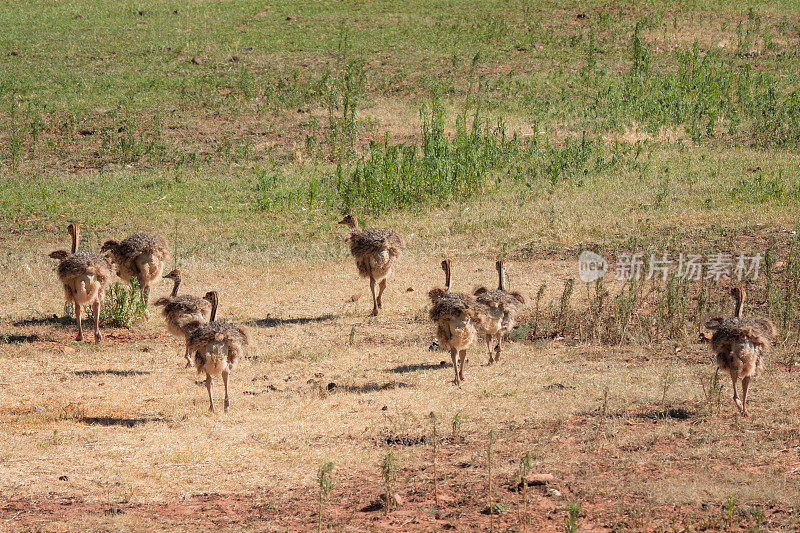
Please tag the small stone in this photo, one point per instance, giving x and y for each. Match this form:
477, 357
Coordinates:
397, 500
554, 493
540, 479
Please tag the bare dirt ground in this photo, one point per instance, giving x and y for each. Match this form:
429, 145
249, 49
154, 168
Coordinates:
119, 437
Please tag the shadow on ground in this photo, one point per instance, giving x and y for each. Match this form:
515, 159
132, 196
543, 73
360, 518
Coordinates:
46, 321
112, 421
19, 339
368, 387
123, 373
403, 369
271, 322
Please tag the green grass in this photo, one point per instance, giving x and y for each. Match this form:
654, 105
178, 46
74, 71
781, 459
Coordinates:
240, 134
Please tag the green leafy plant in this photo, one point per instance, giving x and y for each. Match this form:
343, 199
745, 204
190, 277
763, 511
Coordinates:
571, 521
122, 306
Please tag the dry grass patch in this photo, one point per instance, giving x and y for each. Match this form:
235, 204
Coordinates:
127, 424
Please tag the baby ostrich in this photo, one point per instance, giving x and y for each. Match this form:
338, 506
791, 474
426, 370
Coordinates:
740, 343
376, 252
141, 256
217, 347
507, 304
455, 316
84, 276
179, 311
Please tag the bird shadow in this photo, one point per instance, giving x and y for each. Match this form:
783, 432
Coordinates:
45, 321
370, 387
403, 369
113, 421
19, 339
678, 413
272, 322
123, 373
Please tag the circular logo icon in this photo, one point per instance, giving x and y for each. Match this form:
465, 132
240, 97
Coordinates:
591, 266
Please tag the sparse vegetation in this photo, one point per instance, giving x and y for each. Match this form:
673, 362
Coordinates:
571, 522
389, 475
525, 466
123, 306
324, 486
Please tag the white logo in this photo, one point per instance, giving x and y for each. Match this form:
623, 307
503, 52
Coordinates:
591, 266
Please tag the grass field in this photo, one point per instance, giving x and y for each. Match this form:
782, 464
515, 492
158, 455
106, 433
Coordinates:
241, 132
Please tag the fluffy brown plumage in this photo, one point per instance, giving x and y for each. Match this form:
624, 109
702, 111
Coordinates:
217, 348
740, 344
84, 277
139, 256
455, 315
503, 305
180, 311
376, 252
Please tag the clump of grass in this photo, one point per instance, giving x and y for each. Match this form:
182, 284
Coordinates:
564, 312
276, 192
324, 484
16, 135
490, 494
761, 189
122, 307
712, 392
435, 443
730, 508
456, 425
352, 339
525, 466
397, 176
571, 521
668, 378
389, 475
603, 409
342, 94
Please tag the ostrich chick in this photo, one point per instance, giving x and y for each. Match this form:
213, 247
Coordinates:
180, 311
740, 343
455, 316
84, 277
139, 256
505, 303
217, 348
376, 252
